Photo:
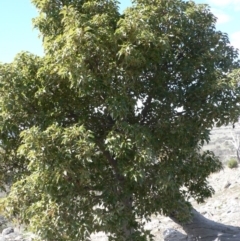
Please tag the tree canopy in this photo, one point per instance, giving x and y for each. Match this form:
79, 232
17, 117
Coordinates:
107, 128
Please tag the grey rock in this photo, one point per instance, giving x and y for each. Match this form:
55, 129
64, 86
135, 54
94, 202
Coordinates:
174, 235
18, 238
7, 231
227, 185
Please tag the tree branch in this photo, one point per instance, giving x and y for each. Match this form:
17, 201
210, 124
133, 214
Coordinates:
112, 162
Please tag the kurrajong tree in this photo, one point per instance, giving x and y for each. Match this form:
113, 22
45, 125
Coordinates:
107, 128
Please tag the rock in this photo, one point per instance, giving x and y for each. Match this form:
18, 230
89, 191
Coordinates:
7, 231
174, 235
9, 234
18, 238
227, 185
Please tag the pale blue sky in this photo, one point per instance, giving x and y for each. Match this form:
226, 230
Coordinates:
17, 34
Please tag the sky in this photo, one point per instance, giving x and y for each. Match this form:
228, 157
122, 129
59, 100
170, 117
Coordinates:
17, 33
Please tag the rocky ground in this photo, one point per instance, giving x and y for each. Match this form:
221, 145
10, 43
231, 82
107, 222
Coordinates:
223, 207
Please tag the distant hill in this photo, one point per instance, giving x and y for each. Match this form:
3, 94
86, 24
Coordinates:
221, 142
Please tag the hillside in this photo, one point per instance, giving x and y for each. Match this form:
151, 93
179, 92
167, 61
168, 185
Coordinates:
221, 141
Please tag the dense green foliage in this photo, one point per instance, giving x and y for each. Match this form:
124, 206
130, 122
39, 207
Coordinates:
107, 128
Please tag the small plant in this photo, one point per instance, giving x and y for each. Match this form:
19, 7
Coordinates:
232, 163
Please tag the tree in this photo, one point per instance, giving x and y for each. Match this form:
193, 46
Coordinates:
107, 128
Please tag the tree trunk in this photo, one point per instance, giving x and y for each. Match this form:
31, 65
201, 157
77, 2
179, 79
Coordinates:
126, 229
203, 229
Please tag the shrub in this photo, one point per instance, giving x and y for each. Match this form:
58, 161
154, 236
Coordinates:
232, 163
